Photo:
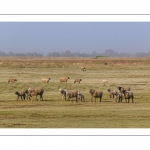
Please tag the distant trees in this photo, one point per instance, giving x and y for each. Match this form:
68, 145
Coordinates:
35, 54
68, 53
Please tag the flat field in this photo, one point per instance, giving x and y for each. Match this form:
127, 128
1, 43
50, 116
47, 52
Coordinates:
53, 112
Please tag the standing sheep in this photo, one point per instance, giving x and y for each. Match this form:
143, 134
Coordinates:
39, 91
45, 80
128, 95
71, 94
64, 79
96, 94
36, 91
77, 80
104, 82
12, 80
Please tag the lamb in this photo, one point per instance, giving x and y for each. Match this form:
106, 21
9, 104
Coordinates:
45, 80
119, 97
77, 80
112, 92
12, 80
63, 93
30, 93
64, 79
80, 96
21, 94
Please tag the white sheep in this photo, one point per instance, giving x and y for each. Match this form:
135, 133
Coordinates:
64, 79
104, 82
45, 80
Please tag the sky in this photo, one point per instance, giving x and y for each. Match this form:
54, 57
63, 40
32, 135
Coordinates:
84, 37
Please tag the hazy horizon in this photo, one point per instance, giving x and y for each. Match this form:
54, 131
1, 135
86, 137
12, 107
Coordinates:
84, 37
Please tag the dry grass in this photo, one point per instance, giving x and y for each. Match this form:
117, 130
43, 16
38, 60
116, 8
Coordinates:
55, 113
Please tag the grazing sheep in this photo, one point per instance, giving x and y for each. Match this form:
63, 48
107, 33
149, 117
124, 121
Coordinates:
63, 93
104, 82
21, 94
64, 79
128, 95
96, 94
77, 80
71, 94
12, 80
83, 68
80, 96
45, 80
112, 93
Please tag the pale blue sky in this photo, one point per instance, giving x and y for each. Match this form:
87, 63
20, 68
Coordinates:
44, 37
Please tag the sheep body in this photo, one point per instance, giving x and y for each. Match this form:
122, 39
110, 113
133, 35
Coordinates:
21, 94
45, 80
77, 80
121, 88
104, 82
96, 94
12, 80
36, 91
64, 79
128, 95
112, 92
71, 94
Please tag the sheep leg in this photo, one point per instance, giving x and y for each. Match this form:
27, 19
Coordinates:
62, 97
116, 99
100, 99
91, 99
41, 97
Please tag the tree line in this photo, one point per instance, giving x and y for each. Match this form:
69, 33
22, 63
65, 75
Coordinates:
68, 53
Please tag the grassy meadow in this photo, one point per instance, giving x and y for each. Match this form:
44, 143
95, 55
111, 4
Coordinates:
53, 112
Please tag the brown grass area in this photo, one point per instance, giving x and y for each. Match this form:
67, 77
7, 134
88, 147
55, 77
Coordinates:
55, 113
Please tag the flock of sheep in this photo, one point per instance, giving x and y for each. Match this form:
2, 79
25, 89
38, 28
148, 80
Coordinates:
124, 93
30, 93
